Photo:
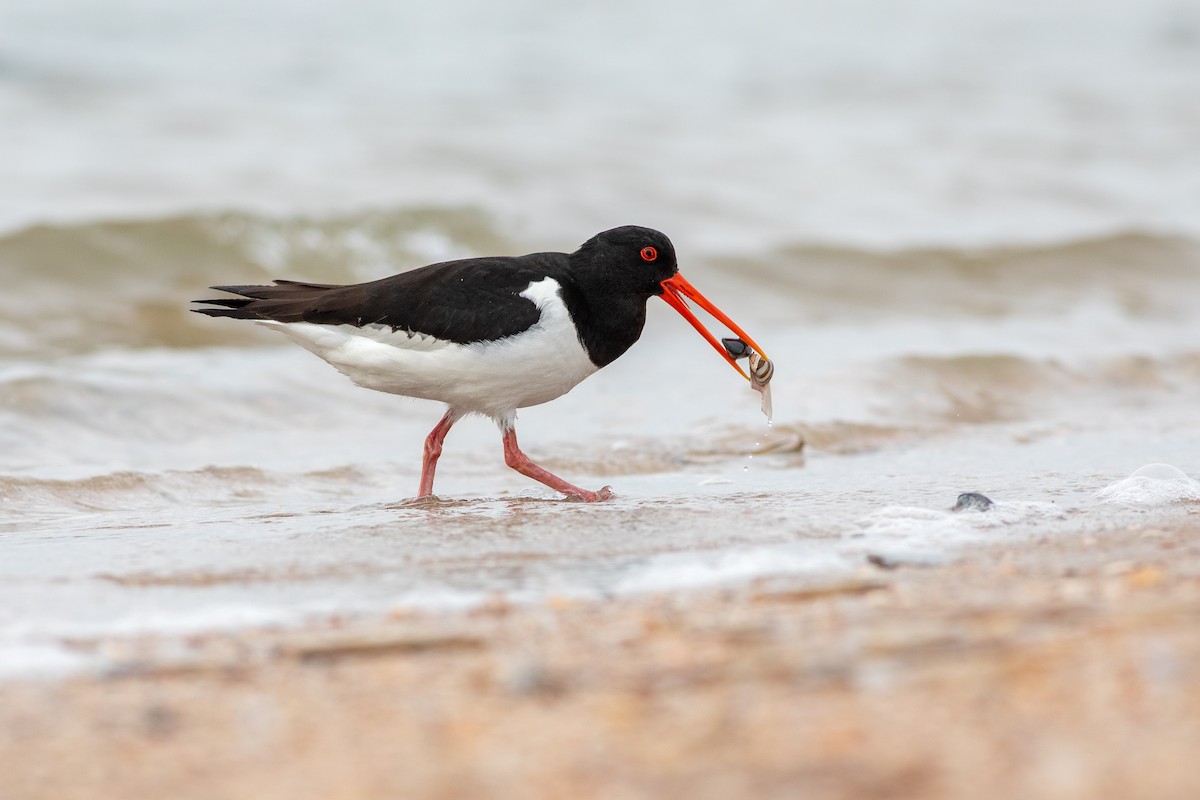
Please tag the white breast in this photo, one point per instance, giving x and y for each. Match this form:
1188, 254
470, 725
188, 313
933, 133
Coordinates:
493, 378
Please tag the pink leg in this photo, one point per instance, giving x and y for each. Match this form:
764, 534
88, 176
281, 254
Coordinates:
521, 463
433, 449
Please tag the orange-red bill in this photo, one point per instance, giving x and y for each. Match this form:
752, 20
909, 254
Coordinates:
676, 288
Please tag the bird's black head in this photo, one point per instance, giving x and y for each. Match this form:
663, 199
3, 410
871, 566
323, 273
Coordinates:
630, 259
626, 267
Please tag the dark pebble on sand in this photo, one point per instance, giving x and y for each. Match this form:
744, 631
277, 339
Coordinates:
973, 501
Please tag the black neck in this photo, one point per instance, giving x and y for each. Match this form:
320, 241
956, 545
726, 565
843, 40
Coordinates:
608, 323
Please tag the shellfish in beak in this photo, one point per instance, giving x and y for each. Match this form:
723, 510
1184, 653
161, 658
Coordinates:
677, 291
761, 369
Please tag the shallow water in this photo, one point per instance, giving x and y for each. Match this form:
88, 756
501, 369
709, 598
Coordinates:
970, 244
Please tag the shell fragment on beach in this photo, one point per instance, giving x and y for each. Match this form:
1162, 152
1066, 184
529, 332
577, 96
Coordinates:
761, 370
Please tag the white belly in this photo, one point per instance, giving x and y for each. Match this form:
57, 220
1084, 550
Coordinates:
493, 378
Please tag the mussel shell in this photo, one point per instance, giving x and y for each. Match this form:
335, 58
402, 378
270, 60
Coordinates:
736, 348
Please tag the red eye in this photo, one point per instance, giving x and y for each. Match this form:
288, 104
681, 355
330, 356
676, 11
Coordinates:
649, 254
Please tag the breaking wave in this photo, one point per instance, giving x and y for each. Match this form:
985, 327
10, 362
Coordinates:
78, 288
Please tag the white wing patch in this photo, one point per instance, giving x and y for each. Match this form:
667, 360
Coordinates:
489, 377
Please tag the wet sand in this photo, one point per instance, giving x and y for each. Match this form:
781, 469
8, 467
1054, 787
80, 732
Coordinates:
1062, 668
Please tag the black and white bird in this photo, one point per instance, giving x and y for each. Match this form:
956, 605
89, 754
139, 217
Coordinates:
485, 335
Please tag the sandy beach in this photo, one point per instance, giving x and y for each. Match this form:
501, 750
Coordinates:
1063, 668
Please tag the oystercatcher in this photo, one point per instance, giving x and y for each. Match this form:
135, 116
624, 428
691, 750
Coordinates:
485, 335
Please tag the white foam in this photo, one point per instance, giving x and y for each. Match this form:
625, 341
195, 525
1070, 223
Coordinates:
25, 660
694, 570
926, 537
1152, 485
905, 521
42, 651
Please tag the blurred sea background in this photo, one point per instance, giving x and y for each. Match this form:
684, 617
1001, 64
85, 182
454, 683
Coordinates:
968, 234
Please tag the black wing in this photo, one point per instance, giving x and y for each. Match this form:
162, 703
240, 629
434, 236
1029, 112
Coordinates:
465, 301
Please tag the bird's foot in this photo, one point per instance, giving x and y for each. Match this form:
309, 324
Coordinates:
584, 496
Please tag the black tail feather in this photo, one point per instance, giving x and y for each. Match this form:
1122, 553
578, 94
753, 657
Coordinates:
303, 284
227, 302
235, 313
284, 301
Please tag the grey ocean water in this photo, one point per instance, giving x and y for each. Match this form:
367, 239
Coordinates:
968, 233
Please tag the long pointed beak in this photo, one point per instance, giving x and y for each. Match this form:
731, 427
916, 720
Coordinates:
676, 288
